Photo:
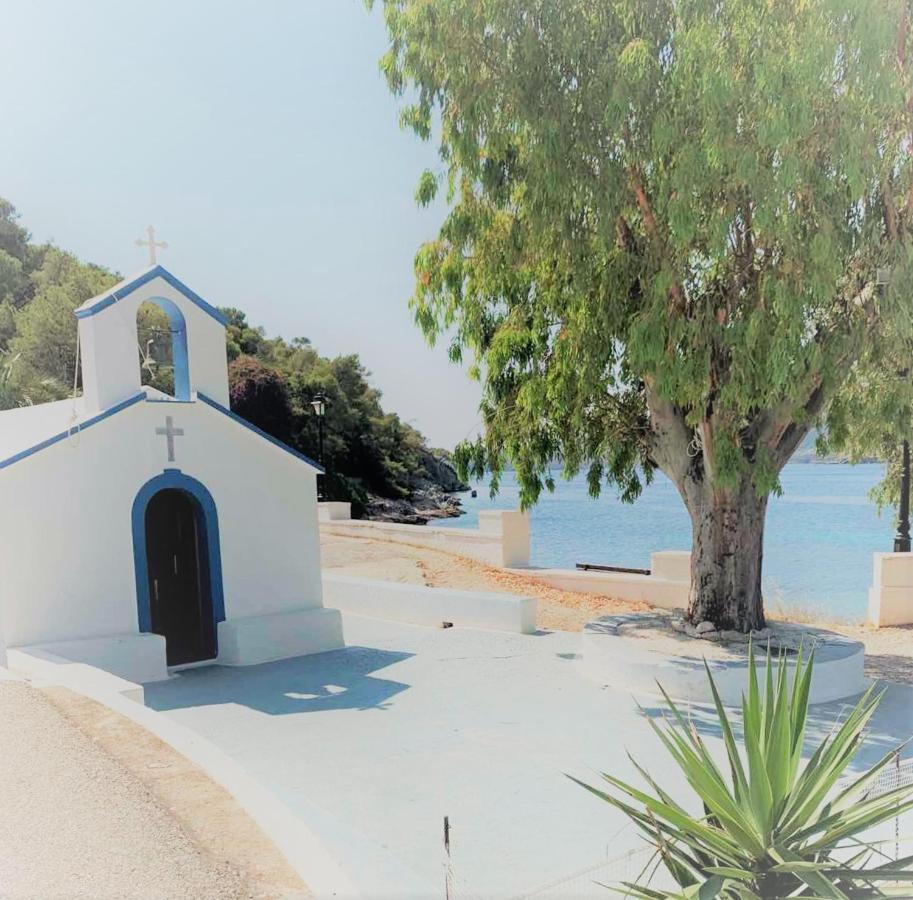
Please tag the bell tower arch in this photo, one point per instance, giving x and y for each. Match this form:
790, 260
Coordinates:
109, 348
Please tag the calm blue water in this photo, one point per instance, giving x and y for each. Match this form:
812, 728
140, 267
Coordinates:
818, 547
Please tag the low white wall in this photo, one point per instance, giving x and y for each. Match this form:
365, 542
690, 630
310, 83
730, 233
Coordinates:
501, 540
891, 595
660, 592
419, 605
43, 665
666, 587
674, 565
260, 639
133, 657
629, 663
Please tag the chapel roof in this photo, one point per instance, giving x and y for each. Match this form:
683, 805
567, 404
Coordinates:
124, 288
29, 429
26, 426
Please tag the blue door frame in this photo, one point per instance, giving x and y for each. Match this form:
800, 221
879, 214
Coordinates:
208, 518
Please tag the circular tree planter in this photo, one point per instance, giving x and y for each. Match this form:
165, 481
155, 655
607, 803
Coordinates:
639, 650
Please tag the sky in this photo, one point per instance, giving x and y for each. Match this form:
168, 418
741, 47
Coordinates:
261, 141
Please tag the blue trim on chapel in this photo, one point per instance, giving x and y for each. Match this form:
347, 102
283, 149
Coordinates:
208, 517
179, 357
136, 398
82, 426
259, 431
109, 299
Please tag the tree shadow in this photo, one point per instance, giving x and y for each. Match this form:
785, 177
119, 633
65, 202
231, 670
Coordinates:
889, 667
339, 679
890, 727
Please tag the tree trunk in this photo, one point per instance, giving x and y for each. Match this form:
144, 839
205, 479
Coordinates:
726, 555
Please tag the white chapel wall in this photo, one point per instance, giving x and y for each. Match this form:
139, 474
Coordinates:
67, 528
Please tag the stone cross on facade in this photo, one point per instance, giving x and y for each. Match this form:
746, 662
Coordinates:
170, 433
151, 243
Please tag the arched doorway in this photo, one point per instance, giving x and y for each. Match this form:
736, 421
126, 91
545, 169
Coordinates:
180, 605
178, 566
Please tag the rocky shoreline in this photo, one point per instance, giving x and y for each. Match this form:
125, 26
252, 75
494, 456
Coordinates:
435, 495
419, 509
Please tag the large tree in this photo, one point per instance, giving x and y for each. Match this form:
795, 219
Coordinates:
667, 220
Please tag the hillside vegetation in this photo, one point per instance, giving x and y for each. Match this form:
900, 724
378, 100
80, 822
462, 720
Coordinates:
373, 458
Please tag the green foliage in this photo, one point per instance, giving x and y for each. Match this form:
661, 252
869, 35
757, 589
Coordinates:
272, 381
156, 347
771, 825
666, 220
40, 286
260, 394
365, 449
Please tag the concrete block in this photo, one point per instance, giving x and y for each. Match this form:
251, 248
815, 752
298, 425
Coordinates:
513, 527
502, 538
661, 592
419, 605
893, 569
672, 564
259, 639
890, 606
334, 511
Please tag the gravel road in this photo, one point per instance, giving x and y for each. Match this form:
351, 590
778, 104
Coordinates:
75, 823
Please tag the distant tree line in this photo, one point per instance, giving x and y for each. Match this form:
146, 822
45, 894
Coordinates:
272, 381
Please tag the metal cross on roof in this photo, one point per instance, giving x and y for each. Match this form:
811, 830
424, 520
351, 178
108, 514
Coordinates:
151, 243
170, 433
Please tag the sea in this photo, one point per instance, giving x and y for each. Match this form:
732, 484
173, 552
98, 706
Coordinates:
819, 538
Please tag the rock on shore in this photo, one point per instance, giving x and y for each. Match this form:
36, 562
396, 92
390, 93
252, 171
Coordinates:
434, 488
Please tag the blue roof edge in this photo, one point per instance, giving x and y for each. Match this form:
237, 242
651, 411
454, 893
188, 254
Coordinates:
136, 398
260, 432
111, 297
82, 426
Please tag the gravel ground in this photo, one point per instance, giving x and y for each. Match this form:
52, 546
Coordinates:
75, 823
558, 610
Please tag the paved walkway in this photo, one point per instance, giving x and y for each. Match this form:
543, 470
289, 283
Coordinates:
889, 651
373, 745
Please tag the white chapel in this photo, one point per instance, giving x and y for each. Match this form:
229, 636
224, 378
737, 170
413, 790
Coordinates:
142, 531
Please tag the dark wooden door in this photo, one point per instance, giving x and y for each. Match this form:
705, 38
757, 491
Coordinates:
180, 605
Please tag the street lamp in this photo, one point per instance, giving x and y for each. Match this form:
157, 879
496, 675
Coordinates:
319, 405
902, 538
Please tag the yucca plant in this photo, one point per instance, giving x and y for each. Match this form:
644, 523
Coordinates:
774, 827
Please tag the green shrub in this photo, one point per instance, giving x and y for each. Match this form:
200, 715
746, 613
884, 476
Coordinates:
772, 826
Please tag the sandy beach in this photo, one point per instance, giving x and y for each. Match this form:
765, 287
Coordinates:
889, 651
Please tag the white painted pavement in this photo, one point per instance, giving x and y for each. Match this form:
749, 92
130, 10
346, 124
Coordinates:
374, 744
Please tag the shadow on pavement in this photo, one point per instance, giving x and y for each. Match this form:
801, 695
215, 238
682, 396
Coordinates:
340, 679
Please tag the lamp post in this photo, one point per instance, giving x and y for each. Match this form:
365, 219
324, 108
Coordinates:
902, 538
319, 405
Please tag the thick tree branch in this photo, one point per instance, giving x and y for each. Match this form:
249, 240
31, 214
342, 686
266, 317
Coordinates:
651, 226
671, 443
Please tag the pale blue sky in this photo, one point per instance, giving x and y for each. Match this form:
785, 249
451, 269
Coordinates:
261, 141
